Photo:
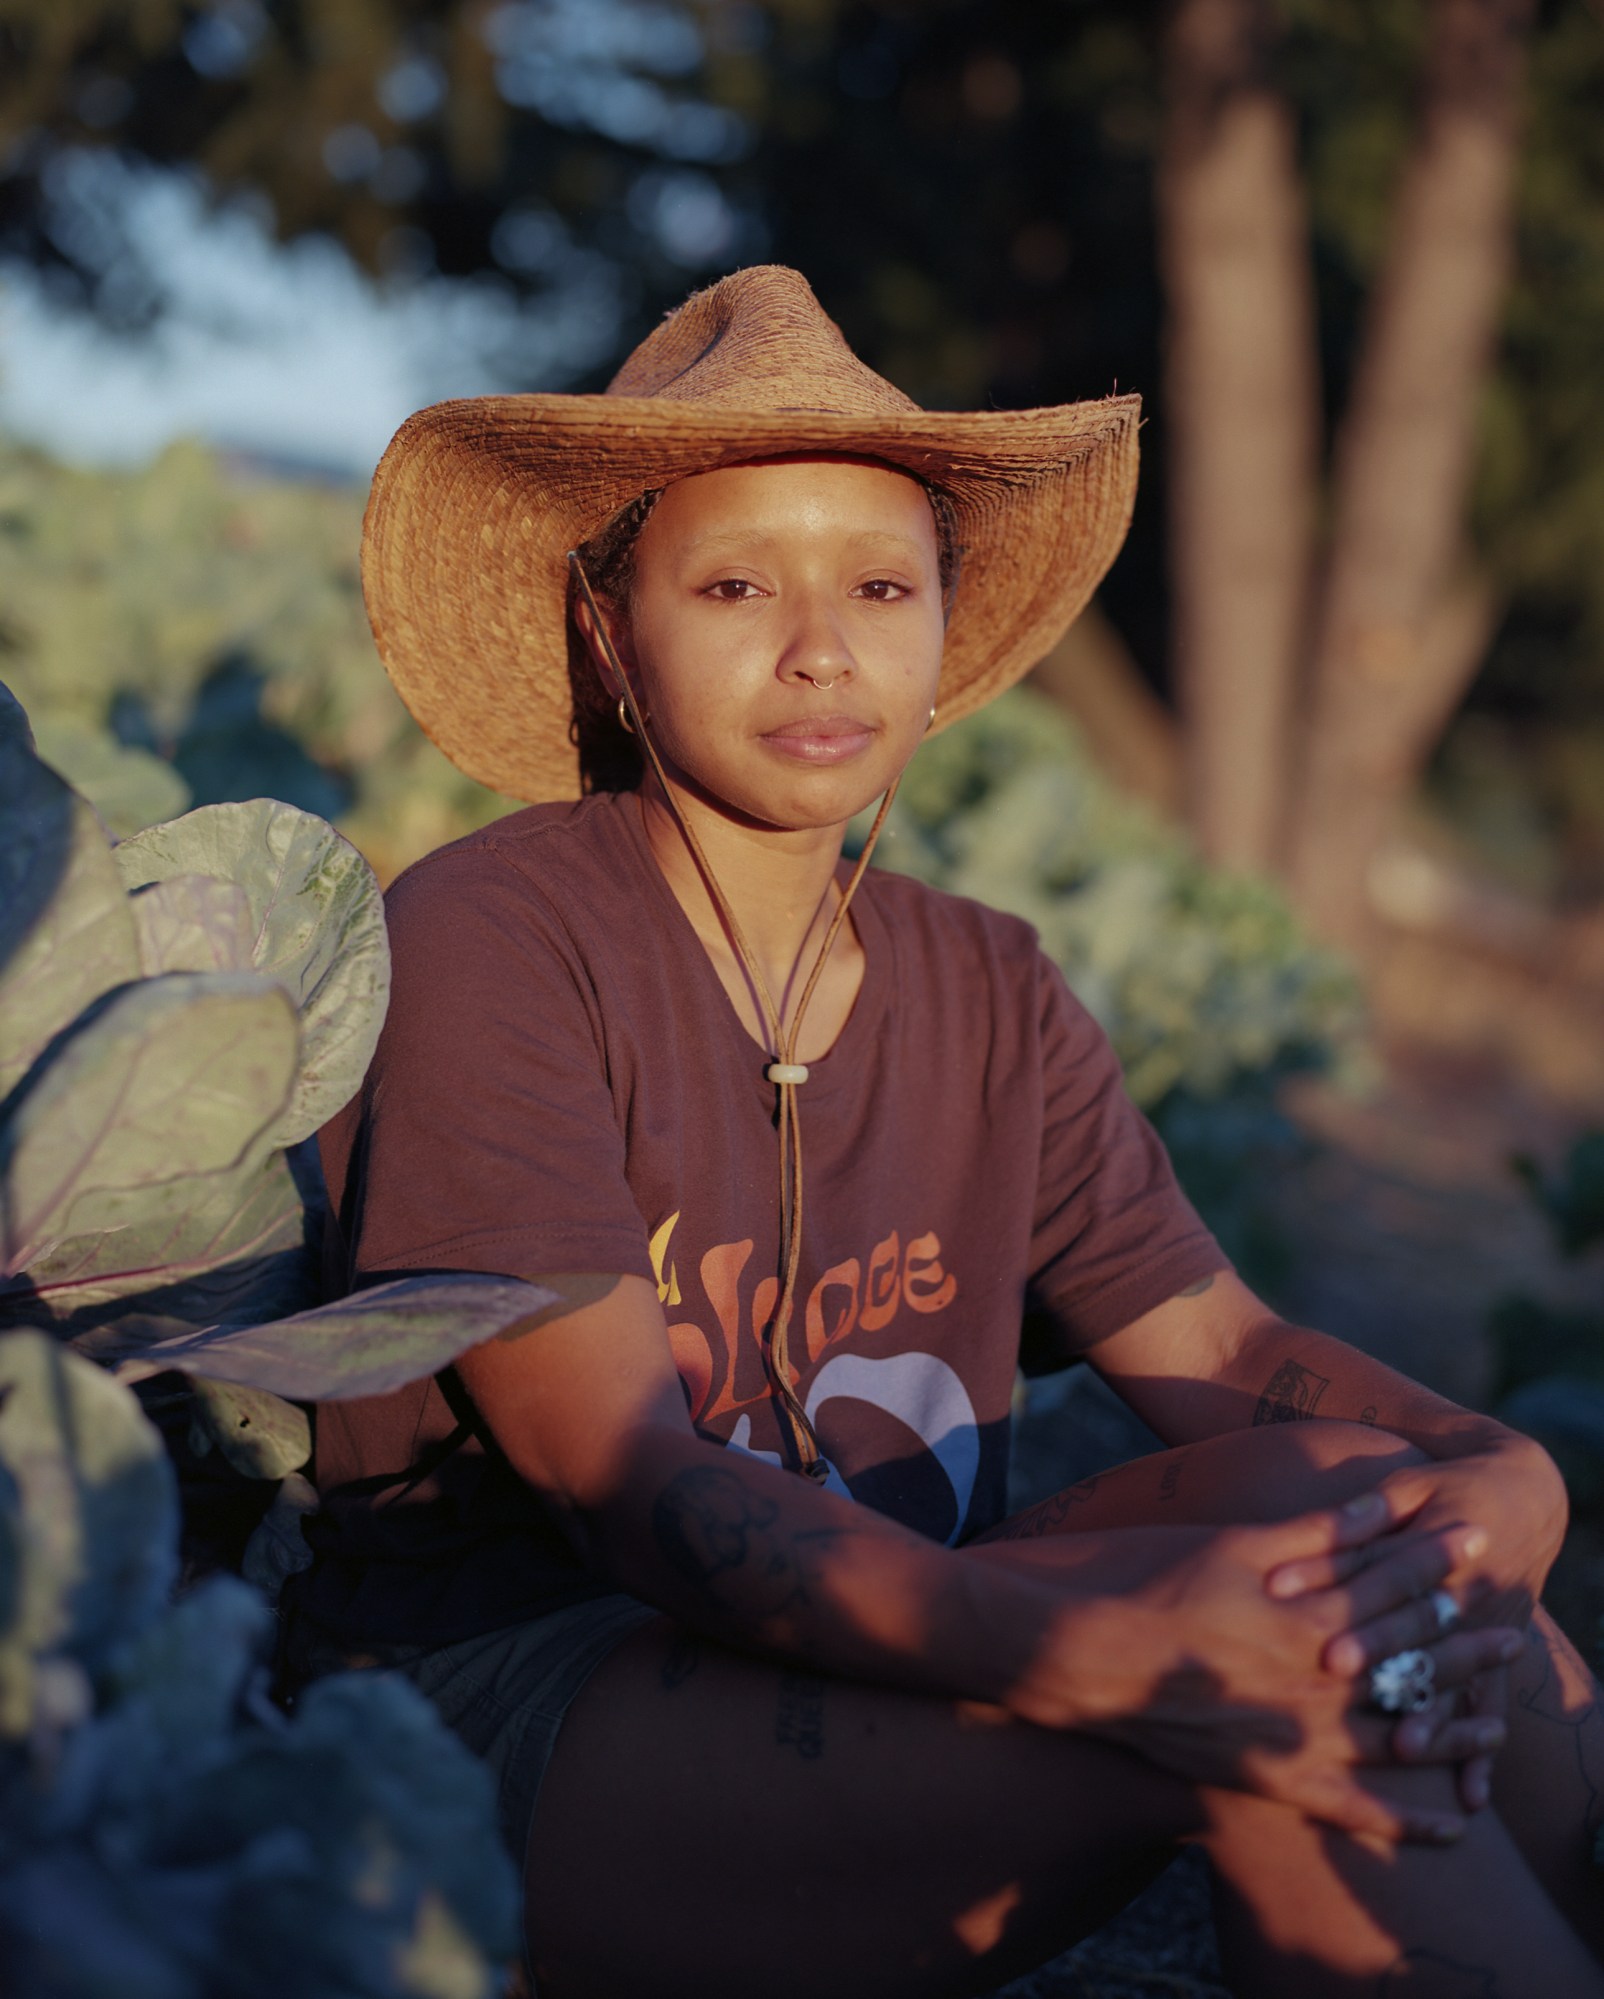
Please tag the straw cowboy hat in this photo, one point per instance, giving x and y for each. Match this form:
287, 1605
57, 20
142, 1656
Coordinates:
476, 504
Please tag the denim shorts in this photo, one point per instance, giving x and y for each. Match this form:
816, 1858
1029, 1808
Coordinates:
505, 1694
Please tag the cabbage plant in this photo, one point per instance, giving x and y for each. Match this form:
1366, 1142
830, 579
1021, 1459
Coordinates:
178, 1014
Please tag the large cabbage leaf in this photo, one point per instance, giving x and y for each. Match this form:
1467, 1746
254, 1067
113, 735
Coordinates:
88, 1521
317, 920
66, 928
191, 923
367, 1344
223, 1246
174, 1077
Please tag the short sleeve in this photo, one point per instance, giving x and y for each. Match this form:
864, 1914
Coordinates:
1113, 1234
485, 1136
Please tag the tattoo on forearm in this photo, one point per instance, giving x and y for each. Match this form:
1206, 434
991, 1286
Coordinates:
1196, 1290
1429, 1972
799, 1717
1048, 1515
1169, 1479
684, 1656
727, 1542
1291, 1395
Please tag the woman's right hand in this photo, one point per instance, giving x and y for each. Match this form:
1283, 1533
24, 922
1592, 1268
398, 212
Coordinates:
1226, 1685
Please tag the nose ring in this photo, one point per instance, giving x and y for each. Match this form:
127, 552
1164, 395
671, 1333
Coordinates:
822, 685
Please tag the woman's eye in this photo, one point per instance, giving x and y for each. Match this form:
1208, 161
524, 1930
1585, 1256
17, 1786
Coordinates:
882, 590
732, 590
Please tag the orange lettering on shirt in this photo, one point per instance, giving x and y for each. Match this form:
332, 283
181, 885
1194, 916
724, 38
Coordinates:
843, 1277
882, 1293
721, 1279
693, 1359
925, 1285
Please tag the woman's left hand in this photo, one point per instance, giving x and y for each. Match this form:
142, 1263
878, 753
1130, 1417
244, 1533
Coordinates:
1513, 1492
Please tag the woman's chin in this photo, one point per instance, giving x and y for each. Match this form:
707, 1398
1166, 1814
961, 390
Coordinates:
793, 795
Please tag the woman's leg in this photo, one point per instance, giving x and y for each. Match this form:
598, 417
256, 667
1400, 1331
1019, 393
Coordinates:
718, 1826
713, 1824
1548, 1783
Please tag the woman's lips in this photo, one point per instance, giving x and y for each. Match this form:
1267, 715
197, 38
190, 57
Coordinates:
820, 739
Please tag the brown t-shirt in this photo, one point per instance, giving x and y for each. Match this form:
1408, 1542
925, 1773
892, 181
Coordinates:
563, 1085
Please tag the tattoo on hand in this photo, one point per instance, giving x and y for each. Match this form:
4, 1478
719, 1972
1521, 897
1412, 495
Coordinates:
1048, 1515
723, 1539
684, 1656
1169, 1479
1367, 1415
1428, 1971
799, 1718
1291, 1395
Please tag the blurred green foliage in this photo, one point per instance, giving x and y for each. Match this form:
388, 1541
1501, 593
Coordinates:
194, 633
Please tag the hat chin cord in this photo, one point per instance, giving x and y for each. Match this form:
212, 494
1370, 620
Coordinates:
784, 1071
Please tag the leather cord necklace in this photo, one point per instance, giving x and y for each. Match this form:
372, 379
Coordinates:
784, 1070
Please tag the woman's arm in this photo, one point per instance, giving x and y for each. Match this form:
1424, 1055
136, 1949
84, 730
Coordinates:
1160, 1637
1217, 1359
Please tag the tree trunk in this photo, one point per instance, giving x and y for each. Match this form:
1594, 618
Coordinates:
1241, 418
1128, 730
1379, 676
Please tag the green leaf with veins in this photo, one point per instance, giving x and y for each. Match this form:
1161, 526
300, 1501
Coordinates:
366, 1344
192, 923
66, 929
223, 1246
318, 923
173, 1077
258, 1432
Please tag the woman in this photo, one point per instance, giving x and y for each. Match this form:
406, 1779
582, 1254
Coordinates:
791, 1154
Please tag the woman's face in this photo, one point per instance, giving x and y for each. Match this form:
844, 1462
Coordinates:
785, 634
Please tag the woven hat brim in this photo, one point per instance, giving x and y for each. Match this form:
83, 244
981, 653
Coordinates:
476, 504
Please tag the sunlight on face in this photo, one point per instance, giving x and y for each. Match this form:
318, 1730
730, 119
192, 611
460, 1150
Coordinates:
785, 632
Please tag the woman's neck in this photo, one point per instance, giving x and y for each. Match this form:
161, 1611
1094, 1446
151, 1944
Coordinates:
778, 883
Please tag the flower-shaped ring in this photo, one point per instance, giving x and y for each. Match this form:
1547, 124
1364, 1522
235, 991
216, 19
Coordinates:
1404, 1684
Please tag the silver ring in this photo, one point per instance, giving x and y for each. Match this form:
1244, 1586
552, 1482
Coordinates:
1446, 1610
1404, 1684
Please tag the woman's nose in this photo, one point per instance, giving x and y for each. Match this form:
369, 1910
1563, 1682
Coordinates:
816, 647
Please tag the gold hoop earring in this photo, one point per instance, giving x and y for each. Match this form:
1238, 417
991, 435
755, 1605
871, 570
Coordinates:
624, 721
